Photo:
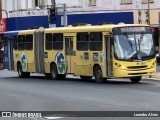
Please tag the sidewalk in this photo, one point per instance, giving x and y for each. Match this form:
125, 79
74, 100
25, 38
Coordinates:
157, 76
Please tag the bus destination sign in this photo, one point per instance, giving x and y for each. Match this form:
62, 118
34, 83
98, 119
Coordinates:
131, 30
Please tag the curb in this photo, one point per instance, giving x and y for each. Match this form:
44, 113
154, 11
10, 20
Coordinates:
152, 78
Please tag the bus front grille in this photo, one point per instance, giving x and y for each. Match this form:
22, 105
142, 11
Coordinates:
136, 67
142, 73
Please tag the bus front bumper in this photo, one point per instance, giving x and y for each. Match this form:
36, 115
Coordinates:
121, 73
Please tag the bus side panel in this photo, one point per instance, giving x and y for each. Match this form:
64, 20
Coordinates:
30, 61
49, 57
78, 63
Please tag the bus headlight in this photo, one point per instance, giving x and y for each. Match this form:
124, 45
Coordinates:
123, 67
119, 65
153, 65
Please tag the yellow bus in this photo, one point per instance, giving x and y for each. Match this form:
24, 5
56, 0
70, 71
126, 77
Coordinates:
103, 51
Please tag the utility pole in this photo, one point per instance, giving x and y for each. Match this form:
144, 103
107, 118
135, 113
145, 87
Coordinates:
159, 35
64, 15
148, 12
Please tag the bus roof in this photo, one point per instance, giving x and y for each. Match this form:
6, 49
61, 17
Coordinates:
72, 29
106, 27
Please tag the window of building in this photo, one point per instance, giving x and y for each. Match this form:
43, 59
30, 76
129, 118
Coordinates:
124, 2
39, 3
49, 41
146, 1
92, 3
82, 41
29, 42
96, 41
21, 42
58, 41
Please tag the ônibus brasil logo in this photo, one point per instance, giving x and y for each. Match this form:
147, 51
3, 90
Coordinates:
24, 62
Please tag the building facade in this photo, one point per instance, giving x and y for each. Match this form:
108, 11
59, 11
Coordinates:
39, 7
21, 15
17, 8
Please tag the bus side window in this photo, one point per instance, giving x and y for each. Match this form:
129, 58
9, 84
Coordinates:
21, 42
58, 41
29, 42
96, 41
82, 41
48, 41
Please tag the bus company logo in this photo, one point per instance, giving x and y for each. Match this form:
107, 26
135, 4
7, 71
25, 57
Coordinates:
24, 62
61, 63
139, 57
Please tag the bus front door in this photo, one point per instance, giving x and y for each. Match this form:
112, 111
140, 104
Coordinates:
69, 53
108, 48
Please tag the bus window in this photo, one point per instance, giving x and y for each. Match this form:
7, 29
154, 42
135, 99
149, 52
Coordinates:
48, 41
58, 41
15, 43
21, 42
29, 42
82, 41
96, 41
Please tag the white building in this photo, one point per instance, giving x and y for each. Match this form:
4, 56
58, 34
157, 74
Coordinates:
16, 7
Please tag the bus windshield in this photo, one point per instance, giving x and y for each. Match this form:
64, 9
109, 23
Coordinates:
134, 46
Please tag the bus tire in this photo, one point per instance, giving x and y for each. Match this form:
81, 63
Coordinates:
98, 75
86, 77
21, 74
136, 79
54, 72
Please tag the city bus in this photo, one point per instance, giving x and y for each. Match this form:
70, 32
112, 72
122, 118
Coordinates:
101, 51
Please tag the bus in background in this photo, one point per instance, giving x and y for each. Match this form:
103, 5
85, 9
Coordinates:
103, 51
9, 38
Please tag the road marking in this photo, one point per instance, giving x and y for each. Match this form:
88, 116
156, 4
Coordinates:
52, 118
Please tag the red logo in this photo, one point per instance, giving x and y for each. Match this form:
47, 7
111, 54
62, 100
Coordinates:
2, 25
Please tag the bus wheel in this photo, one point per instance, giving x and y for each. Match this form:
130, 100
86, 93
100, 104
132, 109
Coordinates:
98, 75
20, 72
86, 77
136, 79
54, 72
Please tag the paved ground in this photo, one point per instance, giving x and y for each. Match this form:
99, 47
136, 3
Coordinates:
38, 93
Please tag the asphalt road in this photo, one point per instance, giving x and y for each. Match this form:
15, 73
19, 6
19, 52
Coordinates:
40, 94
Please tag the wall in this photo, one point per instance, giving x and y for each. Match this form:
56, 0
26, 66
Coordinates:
94, 19
23, 23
